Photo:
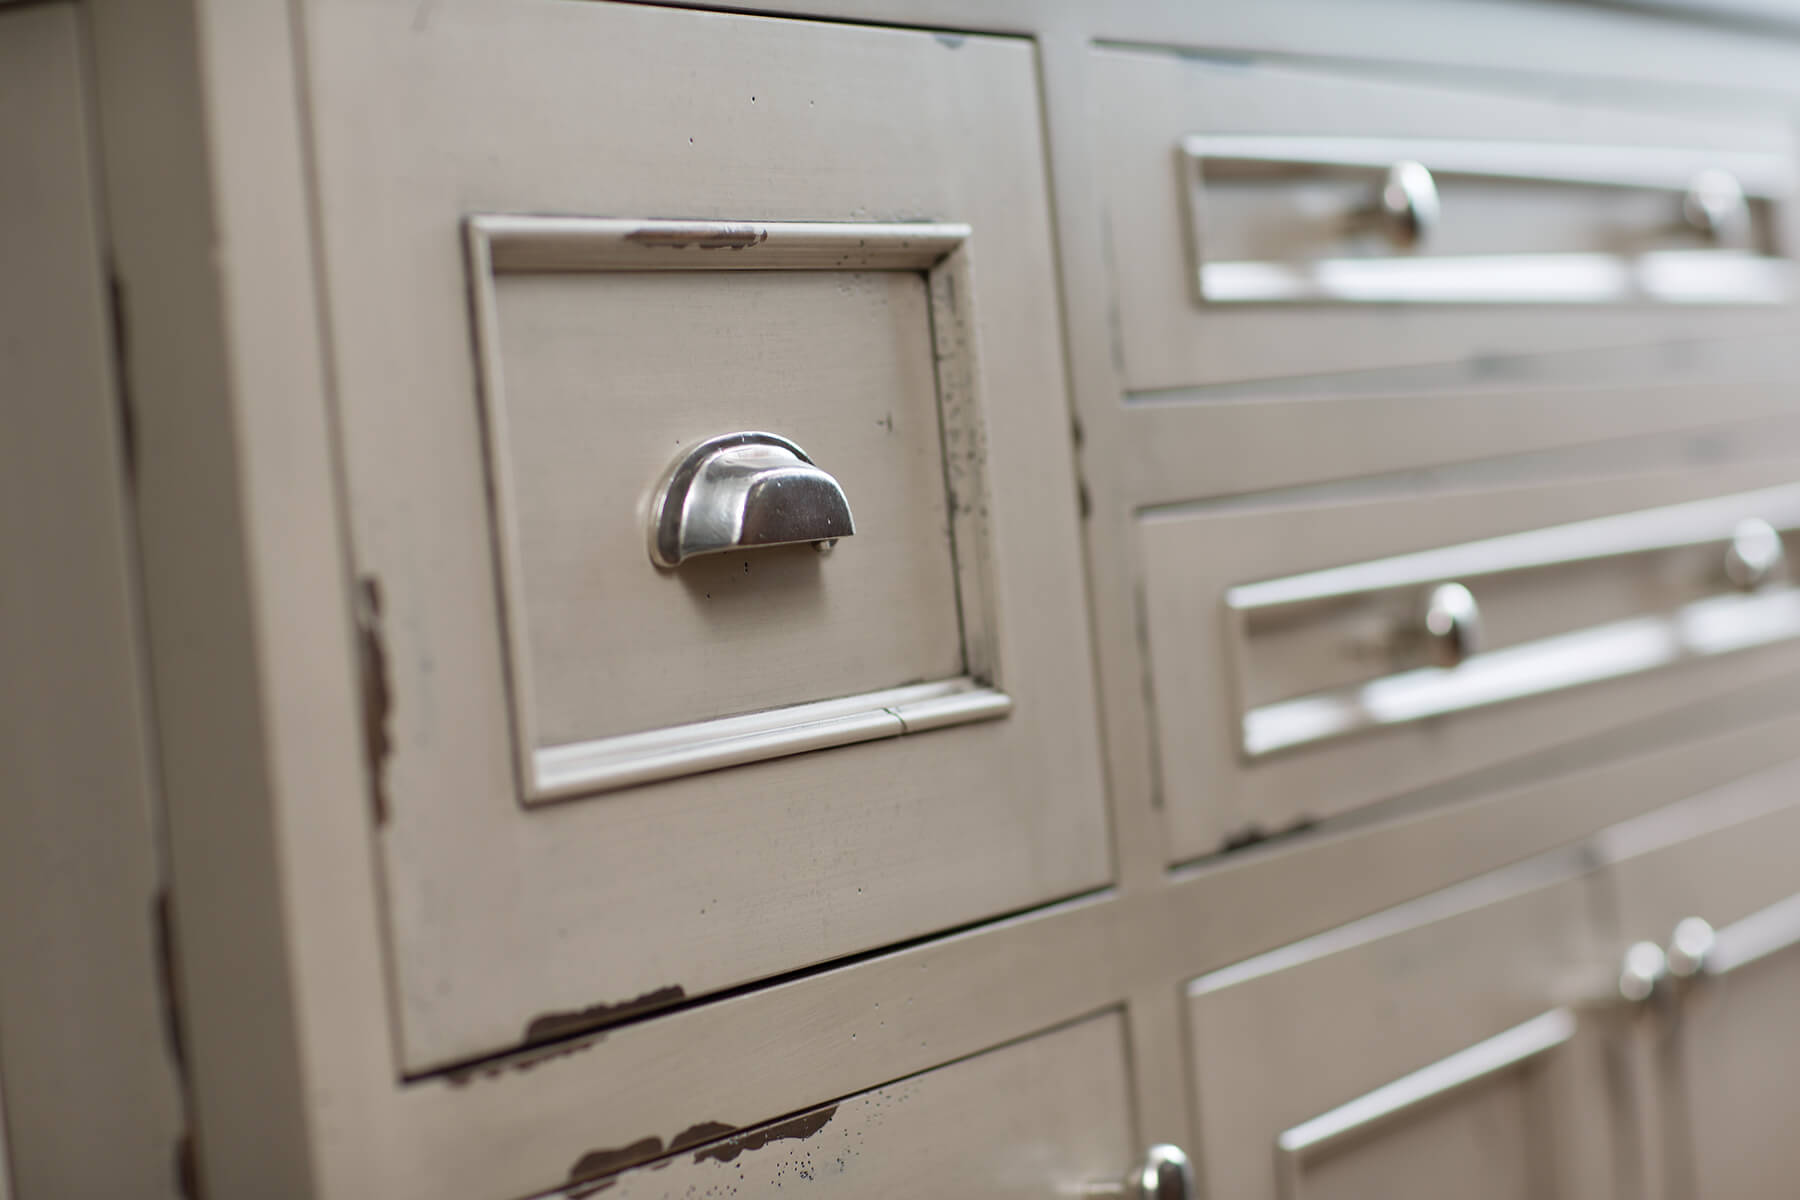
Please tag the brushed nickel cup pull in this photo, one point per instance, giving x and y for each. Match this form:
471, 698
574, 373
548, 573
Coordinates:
743, 491
1164, 1173
1405, 210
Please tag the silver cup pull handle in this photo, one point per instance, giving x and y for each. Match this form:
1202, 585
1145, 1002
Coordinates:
742, 491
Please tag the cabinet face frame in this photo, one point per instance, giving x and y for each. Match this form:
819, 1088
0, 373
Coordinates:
262, 645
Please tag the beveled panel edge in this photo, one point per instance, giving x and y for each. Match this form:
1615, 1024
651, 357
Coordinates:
524, 244
1506, 1051
604, 764
498, 244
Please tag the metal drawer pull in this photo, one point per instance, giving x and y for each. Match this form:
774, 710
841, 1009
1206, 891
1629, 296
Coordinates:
1484, 1061
1715, 205
743, 491
1715, 193
1755, 555
1399, 623
1406, 209
1452, 624
1696, 950
1164, 1173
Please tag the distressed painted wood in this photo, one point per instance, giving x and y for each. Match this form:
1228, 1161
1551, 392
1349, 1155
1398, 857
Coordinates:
217, 197
87, 1057
1213, 791
1047, 1115
509, 926
1724, 1057
1151, 101
1432, 1042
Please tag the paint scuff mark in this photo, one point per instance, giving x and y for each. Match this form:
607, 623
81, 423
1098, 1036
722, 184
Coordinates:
562, 1024
463, 1076
605, 1162
699, 237
793, 1129
693, 1135
953, 40
1255, 835
377, 692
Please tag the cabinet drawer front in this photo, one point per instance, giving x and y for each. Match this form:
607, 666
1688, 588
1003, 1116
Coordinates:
1439, 633
616, 356
1317, 223
1418, 1046
1042, 1117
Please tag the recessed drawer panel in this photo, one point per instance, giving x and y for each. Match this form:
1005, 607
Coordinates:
1442, 1040
708, 473
1317, 224
763, 595
1046, 1116
1433, 634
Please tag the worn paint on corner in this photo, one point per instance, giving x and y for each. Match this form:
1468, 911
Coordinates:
377, 692
793, 1129
561, 1024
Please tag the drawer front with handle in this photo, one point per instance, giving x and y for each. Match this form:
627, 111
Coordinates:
1460, 1037
1316, 224
1464, 628
617, 358
1046, 1116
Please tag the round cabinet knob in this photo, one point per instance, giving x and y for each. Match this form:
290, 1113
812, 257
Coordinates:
1162, 1174
1688, 947
1406, 208
1715, 205
1452, 624
1755, 554
1645, 967
1165, 1174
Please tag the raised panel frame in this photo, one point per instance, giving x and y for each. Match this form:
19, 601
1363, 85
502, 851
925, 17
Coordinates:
503, 243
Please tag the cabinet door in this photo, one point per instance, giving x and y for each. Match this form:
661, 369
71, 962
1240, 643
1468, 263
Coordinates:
1439, 1048
1715, 880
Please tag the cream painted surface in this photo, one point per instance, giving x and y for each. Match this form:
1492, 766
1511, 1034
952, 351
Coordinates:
506, 924
841, 363
92, 1103
1041, 1117
1289, 1037
1727, 1056
205, 116
1191, 556
1146, 103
